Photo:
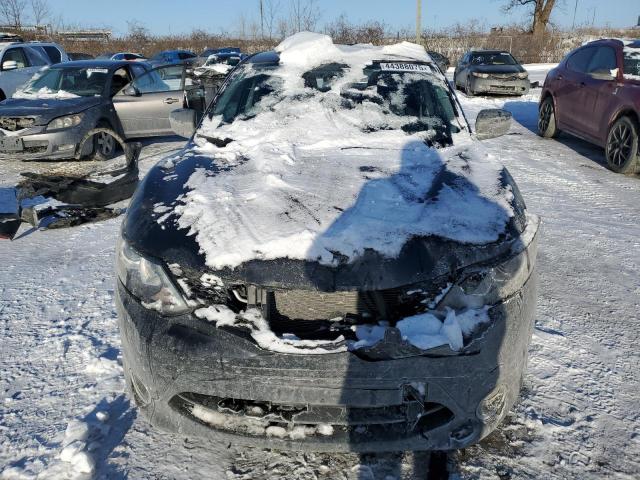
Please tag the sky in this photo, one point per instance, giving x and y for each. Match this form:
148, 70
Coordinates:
183, 16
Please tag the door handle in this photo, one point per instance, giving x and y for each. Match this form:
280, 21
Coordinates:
170, 100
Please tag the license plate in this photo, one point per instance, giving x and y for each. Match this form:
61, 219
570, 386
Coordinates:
11, 144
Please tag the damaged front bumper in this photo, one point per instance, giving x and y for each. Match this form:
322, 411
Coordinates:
190, 377
500, 86
36, 143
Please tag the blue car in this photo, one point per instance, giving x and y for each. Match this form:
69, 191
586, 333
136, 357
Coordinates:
167, 57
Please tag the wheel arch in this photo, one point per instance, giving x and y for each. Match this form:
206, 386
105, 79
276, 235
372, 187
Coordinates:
625, 112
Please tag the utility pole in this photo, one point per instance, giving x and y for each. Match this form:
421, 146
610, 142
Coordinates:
261, 19
418, 21
575, 10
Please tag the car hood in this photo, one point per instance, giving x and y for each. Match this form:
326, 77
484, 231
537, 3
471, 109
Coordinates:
365, 218
45, 110
500, 69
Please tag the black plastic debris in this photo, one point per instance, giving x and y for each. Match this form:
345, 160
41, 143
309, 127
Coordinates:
71, 193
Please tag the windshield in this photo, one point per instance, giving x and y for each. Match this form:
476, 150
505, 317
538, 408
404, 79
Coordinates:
631, 54
502, 58
389, 96
84, 82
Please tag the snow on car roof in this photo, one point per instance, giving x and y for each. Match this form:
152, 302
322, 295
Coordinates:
304, 179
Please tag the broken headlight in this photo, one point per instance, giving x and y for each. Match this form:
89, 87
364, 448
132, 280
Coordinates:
523, 75
68, 121
489, 285
147, 280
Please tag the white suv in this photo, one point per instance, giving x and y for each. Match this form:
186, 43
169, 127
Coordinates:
18, 63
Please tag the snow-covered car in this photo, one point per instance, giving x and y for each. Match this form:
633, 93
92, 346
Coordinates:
18, 63
50, 117
333, 262
216, 66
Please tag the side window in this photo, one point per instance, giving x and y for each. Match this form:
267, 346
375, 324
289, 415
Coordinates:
16, 55
53, 53
603, 60
36, 59
185, 55
138, 70
163, 79
579, 61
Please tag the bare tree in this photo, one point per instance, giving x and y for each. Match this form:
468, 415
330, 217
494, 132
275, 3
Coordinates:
304, 15
540, 11
13, 12
40, 10
271, 12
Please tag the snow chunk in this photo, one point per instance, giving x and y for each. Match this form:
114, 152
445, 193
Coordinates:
217, 314
72, 450
45, 93
76, 430
427, 331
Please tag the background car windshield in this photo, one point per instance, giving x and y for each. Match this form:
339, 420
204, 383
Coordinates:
85, 82
632, 59
493, 59
410, 101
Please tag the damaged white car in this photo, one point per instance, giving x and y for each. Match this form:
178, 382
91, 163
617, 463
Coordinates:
332, 263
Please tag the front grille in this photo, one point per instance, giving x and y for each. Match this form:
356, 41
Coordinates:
14, 124
256, 418
39, 146
498, 76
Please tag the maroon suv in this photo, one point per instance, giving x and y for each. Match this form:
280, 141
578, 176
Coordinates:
594, 94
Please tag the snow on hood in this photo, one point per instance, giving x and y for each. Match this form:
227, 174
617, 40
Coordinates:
303, 180
44, 93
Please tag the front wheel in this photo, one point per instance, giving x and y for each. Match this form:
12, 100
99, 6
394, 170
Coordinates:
105, 146
547, 126
622, 146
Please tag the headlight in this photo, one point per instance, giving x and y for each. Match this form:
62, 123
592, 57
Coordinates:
147, 280
490, 285
61, 123
480, 75
523, 75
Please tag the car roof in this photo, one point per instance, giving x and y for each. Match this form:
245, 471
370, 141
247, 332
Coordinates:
489, 51
110, 64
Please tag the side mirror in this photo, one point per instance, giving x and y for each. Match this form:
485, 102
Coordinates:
183, 122
132, 91
602, 74
9, 65
492, 123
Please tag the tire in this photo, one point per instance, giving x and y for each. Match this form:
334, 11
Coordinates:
2, 96
467, 88
547, 126
622, 147
105, 147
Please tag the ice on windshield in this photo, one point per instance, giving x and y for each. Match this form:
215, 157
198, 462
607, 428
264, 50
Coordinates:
66, 83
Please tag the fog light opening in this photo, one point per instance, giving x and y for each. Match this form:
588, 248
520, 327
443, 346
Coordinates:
66, 147
492, 407
463, 432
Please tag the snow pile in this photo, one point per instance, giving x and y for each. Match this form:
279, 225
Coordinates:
44, 93
308, 179
631, 53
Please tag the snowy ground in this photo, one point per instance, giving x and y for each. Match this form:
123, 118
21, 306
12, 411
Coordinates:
61, 379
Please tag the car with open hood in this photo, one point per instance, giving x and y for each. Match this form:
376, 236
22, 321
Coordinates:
491, 72
50, 117
333, 262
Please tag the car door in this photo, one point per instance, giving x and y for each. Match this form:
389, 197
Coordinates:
144, 106
570, 96
599, 92
12, 79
